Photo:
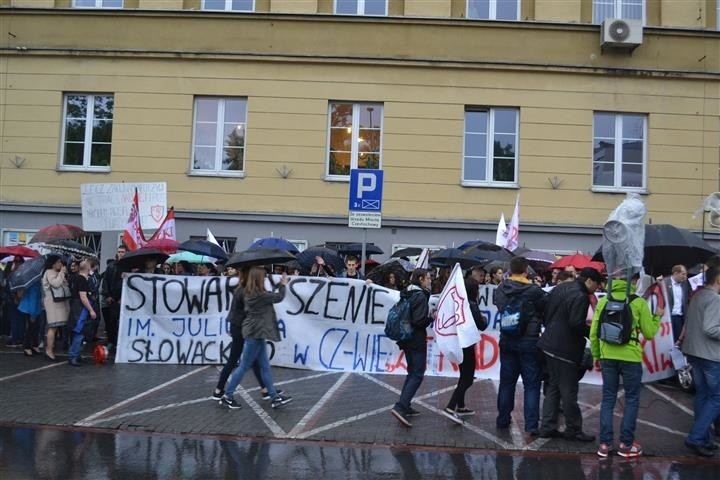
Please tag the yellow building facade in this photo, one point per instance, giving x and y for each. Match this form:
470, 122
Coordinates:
254, 116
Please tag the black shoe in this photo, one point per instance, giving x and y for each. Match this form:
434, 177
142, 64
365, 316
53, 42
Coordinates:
266, 395
230, 403
700, 450
280, 400
401, 417
50, 359
533, 432
580, 437
550, 434
217, 395
412, 412
716, 424
75, 362
712, 446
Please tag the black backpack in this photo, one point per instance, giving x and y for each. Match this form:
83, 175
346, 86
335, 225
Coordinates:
616, 321
398, 326
516, 315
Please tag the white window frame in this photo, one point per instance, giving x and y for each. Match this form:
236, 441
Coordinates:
219, 140
355, 151
228, 7
492, 13
490, 150
87, 141
98, 4
361, 9
617, 10
617, 187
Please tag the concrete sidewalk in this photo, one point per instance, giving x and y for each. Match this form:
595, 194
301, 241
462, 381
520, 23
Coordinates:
327, 406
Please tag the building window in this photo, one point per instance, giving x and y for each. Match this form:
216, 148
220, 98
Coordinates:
361, 7
493, 9
98, 3
490, 150
229, 5
219, 135
87, 131
619, 151
625, 9
354, 137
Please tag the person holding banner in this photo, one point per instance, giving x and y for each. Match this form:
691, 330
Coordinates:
456, 406
82, 313
415, 349
260, 324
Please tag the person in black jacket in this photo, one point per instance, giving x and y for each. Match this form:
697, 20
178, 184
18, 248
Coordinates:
519, 356
563, 343
456, 406
112, 291
415, 349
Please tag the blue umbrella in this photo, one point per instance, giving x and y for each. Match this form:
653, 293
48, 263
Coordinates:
275, 242
356, 249
203, 247
29, 272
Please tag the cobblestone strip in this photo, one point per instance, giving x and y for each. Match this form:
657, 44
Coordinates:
670, 400
261, 413
89, 420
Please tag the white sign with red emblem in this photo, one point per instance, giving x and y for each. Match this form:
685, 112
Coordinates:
105, 206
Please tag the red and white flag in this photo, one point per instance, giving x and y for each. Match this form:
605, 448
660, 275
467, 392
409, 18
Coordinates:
454, 326
133, 236
513, 228
167, 228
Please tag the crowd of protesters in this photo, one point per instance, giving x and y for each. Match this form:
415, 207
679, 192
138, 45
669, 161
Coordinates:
549, 354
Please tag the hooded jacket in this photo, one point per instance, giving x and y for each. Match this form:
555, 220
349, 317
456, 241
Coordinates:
643, 322
531, 293
260, 321
565, 326
421, 318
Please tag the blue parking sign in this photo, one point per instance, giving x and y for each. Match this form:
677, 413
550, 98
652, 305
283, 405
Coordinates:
366, 190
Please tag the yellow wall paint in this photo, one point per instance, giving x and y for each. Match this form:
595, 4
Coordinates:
683, 13
557, 11
427, 8
294, 6
160, 4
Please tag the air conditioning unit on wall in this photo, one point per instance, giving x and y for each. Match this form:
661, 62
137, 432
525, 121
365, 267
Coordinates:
620, 33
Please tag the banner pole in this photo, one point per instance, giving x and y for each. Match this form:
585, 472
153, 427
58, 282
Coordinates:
362, 255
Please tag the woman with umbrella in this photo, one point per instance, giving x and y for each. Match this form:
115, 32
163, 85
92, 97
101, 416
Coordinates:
57, 307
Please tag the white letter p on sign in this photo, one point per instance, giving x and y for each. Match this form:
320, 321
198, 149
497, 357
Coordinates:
366, 183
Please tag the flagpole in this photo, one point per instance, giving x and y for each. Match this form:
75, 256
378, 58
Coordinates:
362, 254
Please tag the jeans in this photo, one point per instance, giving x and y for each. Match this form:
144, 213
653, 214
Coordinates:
254, 350
416, 362
562, 386
236, 349
631, 373
707, 399
467, 375
519, 358
76, 342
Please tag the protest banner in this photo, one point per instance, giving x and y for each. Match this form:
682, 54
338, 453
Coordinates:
326, 324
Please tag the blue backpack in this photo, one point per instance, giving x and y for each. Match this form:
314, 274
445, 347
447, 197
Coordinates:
397, 325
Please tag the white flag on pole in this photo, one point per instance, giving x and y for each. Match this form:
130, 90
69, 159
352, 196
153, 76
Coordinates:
211, 238
502, 228
424, 259
454, 326
513, 228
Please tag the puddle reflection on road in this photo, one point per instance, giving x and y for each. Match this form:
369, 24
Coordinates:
53, 453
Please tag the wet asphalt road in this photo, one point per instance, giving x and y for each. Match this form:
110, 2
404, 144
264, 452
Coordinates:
64, 454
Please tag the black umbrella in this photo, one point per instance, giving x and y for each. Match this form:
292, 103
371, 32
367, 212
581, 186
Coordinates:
275, 242
137, 258
667, 245
448, 257
407, 252
29, 272
356, 249
203, 247
69, 247
306, 258
259, 256
489, 251
475, 243
401, 268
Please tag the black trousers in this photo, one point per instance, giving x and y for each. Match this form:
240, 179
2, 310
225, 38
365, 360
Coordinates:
467, 375
111, 317
562, 386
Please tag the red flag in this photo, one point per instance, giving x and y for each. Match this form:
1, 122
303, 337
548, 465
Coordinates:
133, 236
167, 228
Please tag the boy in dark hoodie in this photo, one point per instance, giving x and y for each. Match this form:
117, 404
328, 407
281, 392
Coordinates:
519, 355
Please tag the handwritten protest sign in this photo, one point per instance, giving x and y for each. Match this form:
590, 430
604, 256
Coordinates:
327, 324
